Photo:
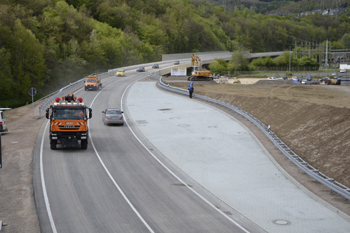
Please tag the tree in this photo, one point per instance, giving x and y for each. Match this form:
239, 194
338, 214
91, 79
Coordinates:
239, 59
218, 66
28, 62
6, 78
346, 40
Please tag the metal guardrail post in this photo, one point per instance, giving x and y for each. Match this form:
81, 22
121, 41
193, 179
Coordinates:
307, 168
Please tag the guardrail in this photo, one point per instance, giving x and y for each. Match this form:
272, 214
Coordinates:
63, 91
307, 168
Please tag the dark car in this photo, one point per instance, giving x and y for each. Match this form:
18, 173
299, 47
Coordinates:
112, 116
141, 69
336, 76
308, 78
176, 62
155, 66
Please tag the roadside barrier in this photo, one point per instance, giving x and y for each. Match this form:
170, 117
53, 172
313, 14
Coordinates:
307, 168
65, 90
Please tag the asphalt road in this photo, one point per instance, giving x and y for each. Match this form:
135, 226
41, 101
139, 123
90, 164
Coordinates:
116, 185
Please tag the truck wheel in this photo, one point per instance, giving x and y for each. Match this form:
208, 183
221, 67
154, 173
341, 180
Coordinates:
53, 144
84, 144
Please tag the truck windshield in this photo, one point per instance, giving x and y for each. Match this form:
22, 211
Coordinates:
69, 114
91, 80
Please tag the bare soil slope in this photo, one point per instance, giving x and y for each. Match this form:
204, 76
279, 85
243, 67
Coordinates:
313, 120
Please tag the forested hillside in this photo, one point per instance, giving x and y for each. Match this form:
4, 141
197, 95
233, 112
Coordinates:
280, 6
49, 43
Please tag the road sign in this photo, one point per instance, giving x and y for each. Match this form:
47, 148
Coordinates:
32, 91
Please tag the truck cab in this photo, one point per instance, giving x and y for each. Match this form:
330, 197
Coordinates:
68, 122
3, 127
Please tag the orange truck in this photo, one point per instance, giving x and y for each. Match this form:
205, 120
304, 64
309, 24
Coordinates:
68, 122
92, 82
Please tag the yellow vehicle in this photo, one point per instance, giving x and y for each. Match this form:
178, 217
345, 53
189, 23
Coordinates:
68, 122
92, 82
120, 73
198, 72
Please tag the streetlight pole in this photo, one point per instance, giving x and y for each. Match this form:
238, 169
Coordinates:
290, 54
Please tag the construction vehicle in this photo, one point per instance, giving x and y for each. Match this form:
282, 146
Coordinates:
92, 82
68, 122
198, 73
3, 127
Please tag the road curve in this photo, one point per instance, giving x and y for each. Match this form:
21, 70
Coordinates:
116, 185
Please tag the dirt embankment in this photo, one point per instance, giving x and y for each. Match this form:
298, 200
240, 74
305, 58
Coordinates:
314, 121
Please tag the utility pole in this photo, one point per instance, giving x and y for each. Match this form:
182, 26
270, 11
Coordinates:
326, 60
290, 54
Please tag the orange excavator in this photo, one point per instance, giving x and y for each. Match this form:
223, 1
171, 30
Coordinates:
198, 72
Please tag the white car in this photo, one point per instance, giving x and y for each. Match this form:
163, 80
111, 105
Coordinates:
343, 71
271, 78
3, 127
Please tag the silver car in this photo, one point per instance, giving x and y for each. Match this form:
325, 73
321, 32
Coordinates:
113, 116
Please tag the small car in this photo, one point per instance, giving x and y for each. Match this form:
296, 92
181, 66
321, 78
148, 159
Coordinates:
336, 76
334, 73
140, 69
155, 66
343, 71
3, 127
176, 62
308, 78
113, 116
271, 78
304, 81
120, 73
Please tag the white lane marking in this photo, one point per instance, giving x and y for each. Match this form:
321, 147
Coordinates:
111, 177
46, 198
178, 178
43, 184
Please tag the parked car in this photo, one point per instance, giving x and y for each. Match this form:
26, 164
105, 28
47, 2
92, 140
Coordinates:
308, 78
112, 116
325, 80
343, 71
120, 73
304, 81
334, 73
3, 127
338, 82
336, 76
176, 62
141, 69
155, 66
283, 78
296, 79
272, 78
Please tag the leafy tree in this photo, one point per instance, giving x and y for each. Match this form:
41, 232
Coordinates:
308, 61
283, 60
239, 59
6, 77
346, 40
218, 66
28, 62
